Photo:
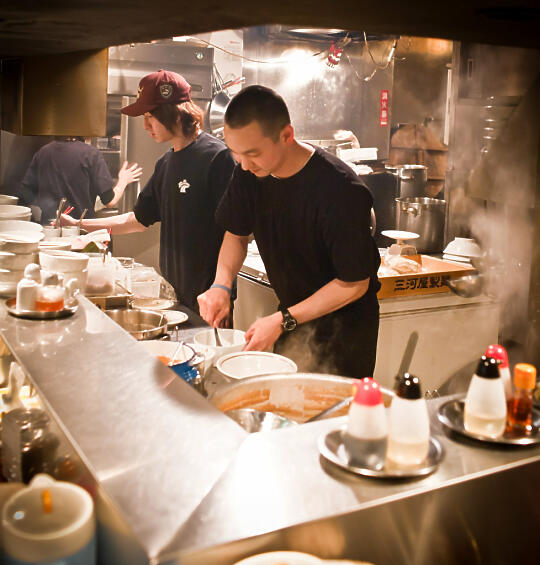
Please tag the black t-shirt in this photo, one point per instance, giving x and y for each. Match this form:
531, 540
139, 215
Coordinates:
310, 228
70, 169
183, 194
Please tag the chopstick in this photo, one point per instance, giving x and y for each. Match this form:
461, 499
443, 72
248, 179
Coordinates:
59, 212
69, 209
81, 218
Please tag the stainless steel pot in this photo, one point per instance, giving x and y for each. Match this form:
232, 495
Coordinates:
412, 181
141, 324
424, 216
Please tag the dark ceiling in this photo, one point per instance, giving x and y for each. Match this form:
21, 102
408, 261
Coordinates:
32, 27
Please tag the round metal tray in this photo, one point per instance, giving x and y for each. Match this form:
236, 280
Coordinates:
333, 449
450, 415
69, 309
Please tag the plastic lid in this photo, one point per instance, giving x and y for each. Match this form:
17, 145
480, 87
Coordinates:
497, 352
408, 386
488, 367
367, 392
525, 375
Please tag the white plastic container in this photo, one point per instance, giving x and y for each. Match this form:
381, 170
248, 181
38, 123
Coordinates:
26, 294
485, 403
408, 435
366, 436
49, 522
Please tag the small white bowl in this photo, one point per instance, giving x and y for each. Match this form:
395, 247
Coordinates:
244, 364
166, 349
57, 260
232, 340
13, 212
52, 232
19, 243
463, 246
10, 260
8, 199
20, 226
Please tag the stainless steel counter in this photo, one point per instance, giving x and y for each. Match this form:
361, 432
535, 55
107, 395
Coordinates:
178, 482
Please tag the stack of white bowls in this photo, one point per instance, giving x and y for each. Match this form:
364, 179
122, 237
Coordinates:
462, 250
70, 264
13, 212
16, 251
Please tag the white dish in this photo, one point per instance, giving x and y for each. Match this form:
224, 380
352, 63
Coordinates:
175, 317
400, 235
281, 558
8, 199
58, 260
55, 243
464, 247
14, 212
167, 349
149, 303
20, 226
457, 258
20, 243
232, 340
243, 364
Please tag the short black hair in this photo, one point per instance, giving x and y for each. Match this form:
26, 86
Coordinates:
258, 104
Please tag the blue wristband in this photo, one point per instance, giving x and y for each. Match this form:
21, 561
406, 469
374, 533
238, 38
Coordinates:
223, 287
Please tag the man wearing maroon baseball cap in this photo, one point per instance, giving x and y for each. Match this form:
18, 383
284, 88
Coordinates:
162, 87
184, 190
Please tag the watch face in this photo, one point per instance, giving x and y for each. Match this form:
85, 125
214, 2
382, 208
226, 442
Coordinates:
289, 323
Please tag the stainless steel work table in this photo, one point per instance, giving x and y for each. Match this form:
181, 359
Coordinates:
179, 482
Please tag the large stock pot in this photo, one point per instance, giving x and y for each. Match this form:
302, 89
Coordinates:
424, 216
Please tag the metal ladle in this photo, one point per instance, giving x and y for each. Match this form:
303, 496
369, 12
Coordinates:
467, 286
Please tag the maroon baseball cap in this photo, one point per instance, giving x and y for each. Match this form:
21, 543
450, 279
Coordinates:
163, 87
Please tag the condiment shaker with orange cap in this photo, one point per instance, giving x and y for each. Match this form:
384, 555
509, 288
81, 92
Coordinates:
409, 431
366, 435
520, 407
498, 352
485, 403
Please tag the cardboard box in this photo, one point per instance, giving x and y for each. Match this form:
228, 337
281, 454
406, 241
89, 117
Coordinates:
430, 281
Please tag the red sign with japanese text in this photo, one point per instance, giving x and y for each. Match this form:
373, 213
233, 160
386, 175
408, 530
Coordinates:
383, 122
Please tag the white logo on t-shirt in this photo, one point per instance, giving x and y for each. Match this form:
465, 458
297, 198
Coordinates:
183, 185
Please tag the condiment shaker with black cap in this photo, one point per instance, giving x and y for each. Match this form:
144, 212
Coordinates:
485, 403
408, 436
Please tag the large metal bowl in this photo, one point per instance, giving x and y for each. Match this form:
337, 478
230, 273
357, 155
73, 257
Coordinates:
141, 324
296, 396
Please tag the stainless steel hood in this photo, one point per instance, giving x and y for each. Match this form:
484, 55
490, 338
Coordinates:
129, 63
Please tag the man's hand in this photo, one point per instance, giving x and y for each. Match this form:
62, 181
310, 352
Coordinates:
214, 305
129, 173
67, 220
263, 333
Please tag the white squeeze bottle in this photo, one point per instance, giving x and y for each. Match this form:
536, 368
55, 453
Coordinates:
498, 352
366, 435
485, 403
408, 437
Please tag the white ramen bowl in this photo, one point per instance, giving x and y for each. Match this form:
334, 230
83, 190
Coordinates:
243, 364
13, 212
464, 247
232, 340
20, 227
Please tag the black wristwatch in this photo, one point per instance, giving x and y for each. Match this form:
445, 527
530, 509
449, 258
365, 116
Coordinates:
289, 323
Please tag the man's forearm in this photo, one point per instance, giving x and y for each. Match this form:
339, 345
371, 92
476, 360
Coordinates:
332, 296
231, 257
123, 223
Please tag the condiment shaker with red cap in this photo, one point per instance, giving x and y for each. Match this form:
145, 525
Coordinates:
366, 435
408, 436
485, 403
498, 352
